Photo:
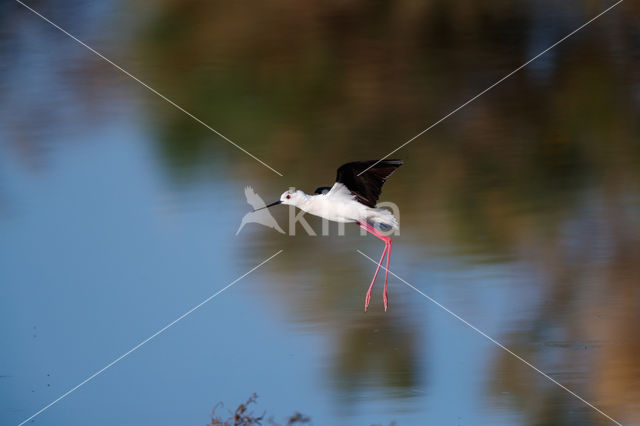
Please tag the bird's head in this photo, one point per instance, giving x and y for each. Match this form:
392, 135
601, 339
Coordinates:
291, 197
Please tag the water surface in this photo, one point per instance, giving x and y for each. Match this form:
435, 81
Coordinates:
520, 213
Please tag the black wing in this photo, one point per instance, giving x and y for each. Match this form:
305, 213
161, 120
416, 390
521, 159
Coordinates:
368, 185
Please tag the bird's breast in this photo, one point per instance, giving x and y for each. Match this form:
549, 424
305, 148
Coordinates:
336, 210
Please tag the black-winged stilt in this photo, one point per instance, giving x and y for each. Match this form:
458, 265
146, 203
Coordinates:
352, 199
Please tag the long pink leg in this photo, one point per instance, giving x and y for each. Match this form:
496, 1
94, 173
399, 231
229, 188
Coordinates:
368, 296
387, 251
386, 274
388, 243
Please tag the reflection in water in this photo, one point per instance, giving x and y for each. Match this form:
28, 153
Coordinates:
529, 173
590, 295
377, 351
541, 174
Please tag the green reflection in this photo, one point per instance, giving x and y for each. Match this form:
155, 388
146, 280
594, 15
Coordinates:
307, 88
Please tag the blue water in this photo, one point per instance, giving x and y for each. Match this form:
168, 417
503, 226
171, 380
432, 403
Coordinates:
117, 256
107, 236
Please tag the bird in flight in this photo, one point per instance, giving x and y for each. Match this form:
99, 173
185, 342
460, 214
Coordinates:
352, 199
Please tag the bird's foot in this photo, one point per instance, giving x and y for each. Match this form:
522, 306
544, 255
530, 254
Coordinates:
385, 299
367, 299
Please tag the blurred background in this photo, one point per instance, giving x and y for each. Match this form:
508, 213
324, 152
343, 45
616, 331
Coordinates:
520, 213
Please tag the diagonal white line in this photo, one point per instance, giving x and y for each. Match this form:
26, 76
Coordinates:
150, 88
458, 317
136, 347
494, 85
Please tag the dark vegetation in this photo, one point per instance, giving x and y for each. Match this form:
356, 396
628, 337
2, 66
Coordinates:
243, 415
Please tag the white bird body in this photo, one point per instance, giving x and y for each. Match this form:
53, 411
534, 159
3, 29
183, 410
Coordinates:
353, 198
339, 205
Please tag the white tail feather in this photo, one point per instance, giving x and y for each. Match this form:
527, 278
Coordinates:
383, 217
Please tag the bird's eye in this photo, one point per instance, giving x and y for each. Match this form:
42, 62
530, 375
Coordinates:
288, 197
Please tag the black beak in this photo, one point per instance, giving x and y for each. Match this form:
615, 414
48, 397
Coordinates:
269, 205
